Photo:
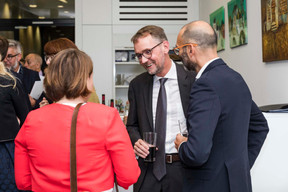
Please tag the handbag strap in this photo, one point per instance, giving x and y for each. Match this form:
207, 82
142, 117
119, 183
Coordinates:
73, 166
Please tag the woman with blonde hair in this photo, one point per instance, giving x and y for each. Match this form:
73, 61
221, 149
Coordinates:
42, 161
13, 112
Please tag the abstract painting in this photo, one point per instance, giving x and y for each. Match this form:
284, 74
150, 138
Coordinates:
237, 19
274, 30
217, 21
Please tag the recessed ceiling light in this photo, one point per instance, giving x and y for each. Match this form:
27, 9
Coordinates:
63, 1
60, 6
32, 5
41, 17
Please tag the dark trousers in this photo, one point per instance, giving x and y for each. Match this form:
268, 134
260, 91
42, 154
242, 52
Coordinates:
171, 182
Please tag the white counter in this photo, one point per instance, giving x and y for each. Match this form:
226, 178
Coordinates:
270, 171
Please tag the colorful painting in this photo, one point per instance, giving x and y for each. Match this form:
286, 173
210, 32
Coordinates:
217, 21
237, 16
274, 30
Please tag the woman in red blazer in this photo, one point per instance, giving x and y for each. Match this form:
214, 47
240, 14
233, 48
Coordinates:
42, 156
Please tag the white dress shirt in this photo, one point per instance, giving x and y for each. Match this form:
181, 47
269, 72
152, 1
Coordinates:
175, 112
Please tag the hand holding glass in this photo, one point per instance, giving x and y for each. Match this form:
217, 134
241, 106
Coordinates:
150, 138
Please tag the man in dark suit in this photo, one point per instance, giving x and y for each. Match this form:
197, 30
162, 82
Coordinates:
226, 128
26, 76
151, 48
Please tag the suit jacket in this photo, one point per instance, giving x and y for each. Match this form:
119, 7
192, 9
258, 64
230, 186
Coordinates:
103, 148
140, 118
226, 132
11, 107
28, 78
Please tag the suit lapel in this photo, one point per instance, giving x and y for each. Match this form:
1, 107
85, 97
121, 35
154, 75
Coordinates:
147, 97
184, 87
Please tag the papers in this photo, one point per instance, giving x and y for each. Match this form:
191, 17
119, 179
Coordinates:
37, 89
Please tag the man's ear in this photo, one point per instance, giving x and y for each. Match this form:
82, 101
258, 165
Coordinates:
166, 46
19, 57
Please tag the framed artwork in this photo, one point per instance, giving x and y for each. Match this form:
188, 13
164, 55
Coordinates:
274, 30
237, 16
217, 21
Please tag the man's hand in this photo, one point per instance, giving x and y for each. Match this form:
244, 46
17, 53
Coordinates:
43, 102
141, 148
32, 101
179, 139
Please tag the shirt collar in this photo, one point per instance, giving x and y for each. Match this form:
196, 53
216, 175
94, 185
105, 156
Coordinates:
204, 67
172, 74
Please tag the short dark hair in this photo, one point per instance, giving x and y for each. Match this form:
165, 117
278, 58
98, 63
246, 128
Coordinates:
67, 75
202, 38
3, 47
155, 31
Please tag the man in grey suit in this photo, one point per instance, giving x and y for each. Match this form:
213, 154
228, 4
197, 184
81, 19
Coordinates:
152, 50
226, 128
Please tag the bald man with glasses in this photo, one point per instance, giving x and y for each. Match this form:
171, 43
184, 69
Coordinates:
151, 47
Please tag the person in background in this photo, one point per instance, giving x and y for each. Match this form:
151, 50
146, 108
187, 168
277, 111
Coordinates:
151, 48
51, 48
42, 160
13, 112
26, 76
226, 128
34, 62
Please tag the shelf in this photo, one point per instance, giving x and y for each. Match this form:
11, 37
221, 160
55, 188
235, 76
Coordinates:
127, 63
121, 86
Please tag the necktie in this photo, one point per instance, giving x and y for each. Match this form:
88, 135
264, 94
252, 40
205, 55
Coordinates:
159, 166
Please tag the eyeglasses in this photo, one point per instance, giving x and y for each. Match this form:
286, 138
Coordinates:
147, 53
48, 58
11, 56
177, 49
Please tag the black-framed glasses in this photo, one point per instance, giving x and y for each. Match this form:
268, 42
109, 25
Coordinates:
147, 53
9, 56
177, 49
48, 57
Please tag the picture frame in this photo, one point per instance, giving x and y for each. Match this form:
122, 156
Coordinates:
237, 22
217, 21
274, 19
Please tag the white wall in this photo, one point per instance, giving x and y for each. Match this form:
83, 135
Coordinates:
99, 32
267, 81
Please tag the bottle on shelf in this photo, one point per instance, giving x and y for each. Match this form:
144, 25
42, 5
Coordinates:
103, 99
112, 103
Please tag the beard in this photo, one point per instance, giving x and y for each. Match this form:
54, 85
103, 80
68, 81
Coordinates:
188, 64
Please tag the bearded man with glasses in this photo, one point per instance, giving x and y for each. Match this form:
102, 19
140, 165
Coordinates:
151, 47
26, 76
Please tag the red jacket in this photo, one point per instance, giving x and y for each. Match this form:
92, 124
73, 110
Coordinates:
42, 150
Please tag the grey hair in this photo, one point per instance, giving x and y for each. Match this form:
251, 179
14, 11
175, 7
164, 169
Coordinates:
15, 44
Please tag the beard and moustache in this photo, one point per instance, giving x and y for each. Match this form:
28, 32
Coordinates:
188, 64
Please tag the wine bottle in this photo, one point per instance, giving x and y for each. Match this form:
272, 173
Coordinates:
112, 103
103, 99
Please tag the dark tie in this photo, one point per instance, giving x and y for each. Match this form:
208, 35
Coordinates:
159, 167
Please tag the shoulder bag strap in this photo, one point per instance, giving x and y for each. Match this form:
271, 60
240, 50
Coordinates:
73, 167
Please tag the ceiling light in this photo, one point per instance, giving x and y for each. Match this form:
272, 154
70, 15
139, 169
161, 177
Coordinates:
32, 5
41, 17
63, 1
60, 6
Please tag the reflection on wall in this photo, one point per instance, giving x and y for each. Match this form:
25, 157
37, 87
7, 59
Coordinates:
30, 39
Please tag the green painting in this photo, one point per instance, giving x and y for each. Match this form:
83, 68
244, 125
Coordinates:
217, 21
237, 16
